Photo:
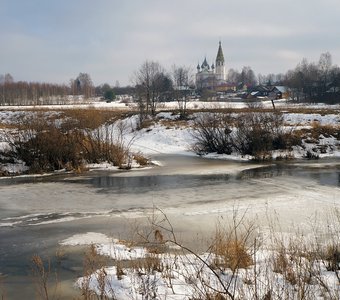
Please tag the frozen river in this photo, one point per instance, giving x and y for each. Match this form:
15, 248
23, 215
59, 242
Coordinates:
37, 213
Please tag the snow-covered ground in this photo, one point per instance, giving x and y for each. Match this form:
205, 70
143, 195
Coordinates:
193, 104
186, 276
278, 272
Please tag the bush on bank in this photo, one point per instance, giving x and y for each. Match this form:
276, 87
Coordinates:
254, 133
45, 144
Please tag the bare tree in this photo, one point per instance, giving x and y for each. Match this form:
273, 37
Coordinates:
83, 85
247, 76
313, 80
151, 83
8, 78
325, 70
233, 76
182, 79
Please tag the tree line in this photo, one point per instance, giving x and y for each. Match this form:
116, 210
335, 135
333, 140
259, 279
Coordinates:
35, 93
152, 83
308, 81
315, 81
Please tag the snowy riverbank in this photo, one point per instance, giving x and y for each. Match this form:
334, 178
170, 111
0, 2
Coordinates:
195, 193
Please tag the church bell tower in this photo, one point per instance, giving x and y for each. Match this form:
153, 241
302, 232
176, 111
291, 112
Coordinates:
220, 67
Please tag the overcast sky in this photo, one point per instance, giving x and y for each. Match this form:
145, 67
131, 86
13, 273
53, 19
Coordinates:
55, 40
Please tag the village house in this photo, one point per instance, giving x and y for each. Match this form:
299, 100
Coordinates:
271, 92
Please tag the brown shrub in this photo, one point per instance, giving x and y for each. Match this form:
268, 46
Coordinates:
231, 254
44, 147
230, 248
212, 133
140, 159
46, 144
332, 258
96, 150
325, 130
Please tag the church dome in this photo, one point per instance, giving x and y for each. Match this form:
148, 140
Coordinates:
205, 64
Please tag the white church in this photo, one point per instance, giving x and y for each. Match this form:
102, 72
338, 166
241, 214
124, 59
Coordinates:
213, 77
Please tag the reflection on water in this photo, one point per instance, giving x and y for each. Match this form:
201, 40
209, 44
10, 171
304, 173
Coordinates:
327, 178
322, 176
264, 172
141, 184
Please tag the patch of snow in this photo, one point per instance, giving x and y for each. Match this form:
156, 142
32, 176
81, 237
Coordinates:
119, 251
102, 166
86, 239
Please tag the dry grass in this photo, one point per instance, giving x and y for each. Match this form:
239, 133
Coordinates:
146, 124
80, 118
230, 247
148, 265
325, 130
308, 110
332, 257
140, 159
45, 279
211, 296
93, 263
286, 109
231, 254
283, 264
7, 126
174, 123
90, 118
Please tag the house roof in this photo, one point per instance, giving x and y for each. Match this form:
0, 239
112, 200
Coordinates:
260, 88
280, 88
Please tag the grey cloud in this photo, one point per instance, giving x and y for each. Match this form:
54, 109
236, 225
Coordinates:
110, 39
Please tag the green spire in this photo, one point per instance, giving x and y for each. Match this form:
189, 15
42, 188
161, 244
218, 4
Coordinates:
219, 57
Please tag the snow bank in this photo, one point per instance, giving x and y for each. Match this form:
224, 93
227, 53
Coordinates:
187, 276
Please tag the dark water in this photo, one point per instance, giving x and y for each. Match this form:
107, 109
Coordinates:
323, 175
37, 213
